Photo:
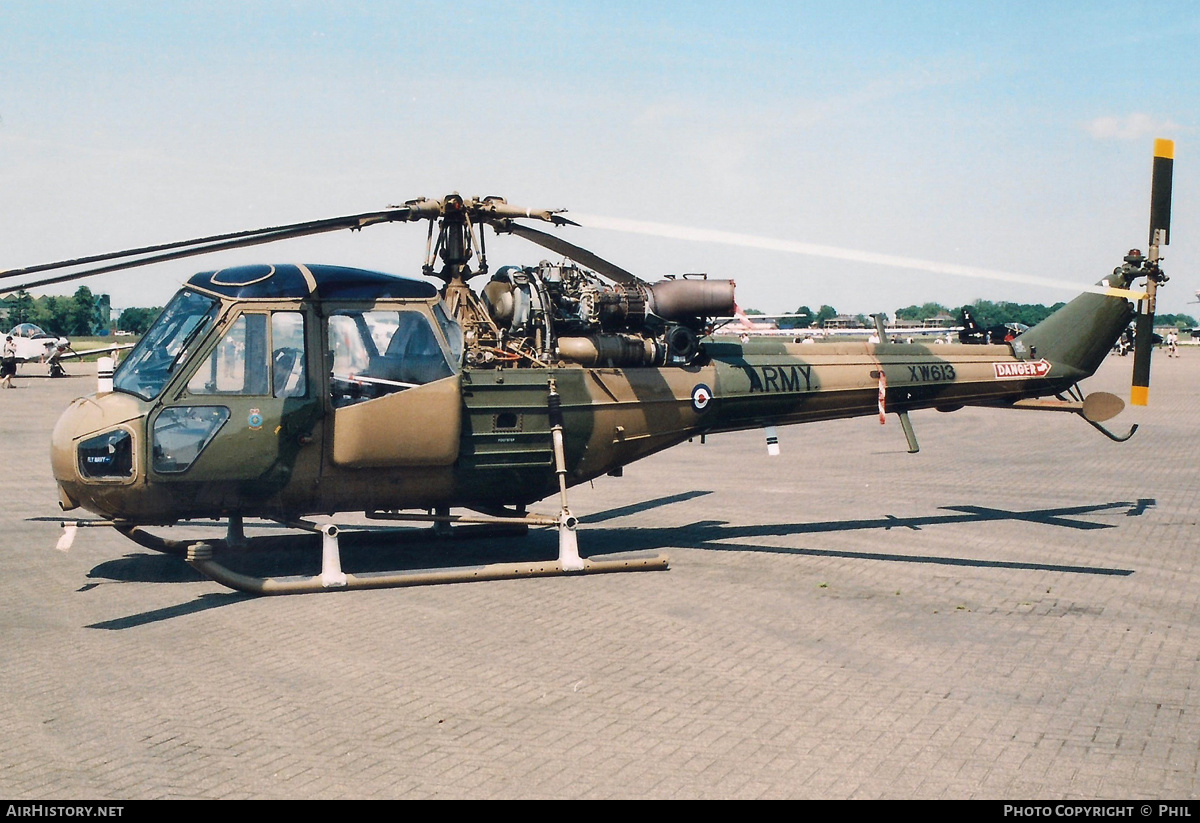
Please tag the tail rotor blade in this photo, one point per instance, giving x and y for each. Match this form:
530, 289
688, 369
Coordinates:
1160, 235
1160, 191
1143, 345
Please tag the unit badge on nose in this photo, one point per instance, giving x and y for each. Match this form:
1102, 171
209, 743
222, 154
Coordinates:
255, 419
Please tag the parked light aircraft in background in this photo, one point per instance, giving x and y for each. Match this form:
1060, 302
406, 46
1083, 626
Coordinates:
33, 345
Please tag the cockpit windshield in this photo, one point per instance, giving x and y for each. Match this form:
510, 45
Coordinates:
28, 330
166, 345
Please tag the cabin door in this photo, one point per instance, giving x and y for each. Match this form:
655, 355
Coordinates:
249, 415
396, 398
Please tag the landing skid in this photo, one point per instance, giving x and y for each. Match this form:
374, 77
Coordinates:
200, 554
333, 579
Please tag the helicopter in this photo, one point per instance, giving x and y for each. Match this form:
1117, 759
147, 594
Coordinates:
291, 392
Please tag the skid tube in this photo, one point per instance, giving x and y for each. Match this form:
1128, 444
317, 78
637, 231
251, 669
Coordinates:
199, 556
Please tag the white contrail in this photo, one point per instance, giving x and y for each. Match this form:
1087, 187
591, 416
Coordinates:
729, 238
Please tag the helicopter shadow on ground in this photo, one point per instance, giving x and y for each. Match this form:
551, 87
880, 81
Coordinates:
380, 549
710, 535
368, 550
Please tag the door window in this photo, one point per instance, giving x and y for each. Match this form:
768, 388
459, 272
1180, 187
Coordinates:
238, 365
289, 373
374, 353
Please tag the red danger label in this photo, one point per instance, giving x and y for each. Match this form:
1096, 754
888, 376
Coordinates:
1026, 368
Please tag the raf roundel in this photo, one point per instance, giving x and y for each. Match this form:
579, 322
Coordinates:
701, 397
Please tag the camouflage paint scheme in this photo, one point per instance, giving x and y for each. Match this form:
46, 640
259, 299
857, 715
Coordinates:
481, 437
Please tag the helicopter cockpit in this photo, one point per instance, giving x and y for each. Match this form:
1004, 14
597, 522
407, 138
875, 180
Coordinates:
249, 370
29, 331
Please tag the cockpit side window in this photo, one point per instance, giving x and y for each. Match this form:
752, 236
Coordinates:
373, 353
238, 364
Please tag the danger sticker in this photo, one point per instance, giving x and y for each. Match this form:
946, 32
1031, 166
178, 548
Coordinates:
1039, 368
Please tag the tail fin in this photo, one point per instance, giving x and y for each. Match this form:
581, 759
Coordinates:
971, 331
1080, 335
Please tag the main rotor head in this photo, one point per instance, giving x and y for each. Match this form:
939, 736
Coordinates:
457, 218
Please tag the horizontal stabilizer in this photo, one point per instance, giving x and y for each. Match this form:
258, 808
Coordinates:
1095, 408
1100, 406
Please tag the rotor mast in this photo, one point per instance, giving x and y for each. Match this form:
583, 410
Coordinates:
455, 247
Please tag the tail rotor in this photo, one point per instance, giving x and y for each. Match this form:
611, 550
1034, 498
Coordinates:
1160, 235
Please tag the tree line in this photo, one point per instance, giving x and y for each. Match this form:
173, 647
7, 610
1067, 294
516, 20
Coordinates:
82, 314
985, 312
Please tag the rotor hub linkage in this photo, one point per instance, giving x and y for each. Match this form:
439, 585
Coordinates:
458, 217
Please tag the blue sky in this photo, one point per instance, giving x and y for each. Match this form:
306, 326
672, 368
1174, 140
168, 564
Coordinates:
1008, 136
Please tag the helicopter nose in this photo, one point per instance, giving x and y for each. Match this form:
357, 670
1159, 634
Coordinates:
94, 450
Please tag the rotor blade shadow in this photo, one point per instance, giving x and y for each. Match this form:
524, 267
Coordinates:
1063, 516
916, 558
712, 535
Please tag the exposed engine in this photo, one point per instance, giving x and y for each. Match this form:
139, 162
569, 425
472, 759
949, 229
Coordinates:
555, 312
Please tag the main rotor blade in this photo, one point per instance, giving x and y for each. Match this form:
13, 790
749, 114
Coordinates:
750, 241
201, 245
579, 255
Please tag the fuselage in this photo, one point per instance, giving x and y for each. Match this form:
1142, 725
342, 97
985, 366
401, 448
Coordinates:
345, 393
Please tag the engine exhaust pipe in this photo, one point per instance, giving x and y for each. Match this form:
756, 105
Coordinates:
684, 299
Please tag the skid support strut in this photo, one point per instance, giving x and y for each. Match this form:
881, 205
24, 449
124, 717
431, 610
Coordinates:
331, 558
568, 543
332, 578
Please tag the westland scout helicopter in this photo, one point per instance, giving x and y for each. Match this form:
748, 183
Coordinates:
291, 391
